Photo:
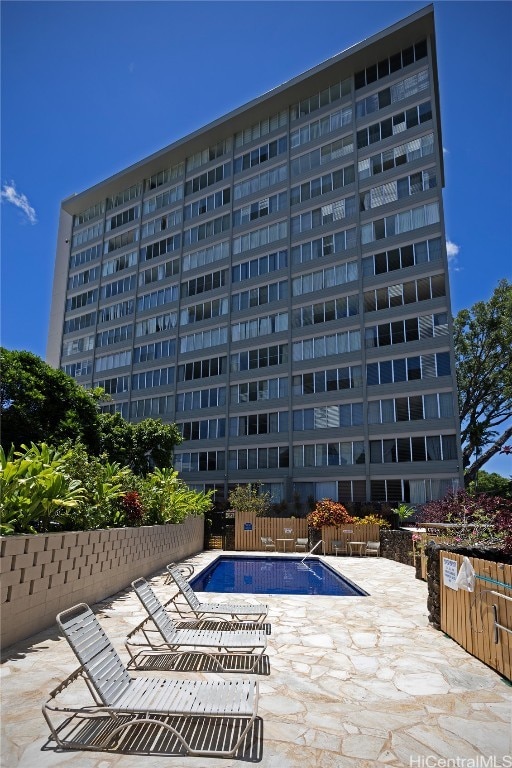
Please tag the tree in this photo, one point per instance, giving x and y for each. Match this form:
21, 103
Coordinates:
249, 499
142, 447
483, 351
40, 404
492, 484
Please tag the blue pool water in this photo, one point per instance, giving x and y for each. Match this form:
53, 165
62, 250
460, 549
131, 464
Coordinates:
273, 576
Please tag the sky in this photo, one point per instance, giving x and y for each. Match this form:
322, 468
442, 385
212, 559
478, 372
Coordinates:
88, 88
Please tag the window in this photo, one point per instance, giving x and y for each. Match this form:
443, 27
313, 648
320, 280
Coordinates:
398, 91
400, 258
205, 256
157, 324
208, 229
80, 323
391, 64
261, 128
262, 265
260, 208
260, 181
204, 311
259, 358
204, 339
202, 369
207, 429
90, 213
89, 233
324, 246
206, 204
391, 126
125, 217
157, 377
124, 197
259, 237
408, 369
396, 224
161, 272
254, 391
261, 154
324, 126
163, 200
81, 300
164, 177
321, 156
155, 351
207, 155
322, 99
201, 398
258, 296
157, 298
212, 176
84, 257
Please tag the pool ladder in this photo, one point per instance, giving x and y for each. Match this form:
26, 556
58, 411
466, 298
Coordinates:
312, 550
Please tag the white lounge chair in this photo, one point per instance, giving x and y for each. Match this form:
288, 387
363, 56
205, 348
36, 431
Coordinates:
373, 548
235, 650
301, 545
186, 568
237, 611
186, 708
267, 543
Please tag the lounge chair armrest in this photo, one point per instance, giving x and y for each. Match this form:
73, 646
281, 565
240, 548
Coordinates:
70, 679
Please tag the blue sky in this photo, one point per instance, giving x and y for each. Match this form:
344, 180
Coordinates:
90, 87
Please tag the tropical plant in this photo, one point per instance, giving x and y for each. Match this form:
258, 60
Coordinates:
35, 490
131, 510
250, 500
404, 511
328, 512
167, 499
104, 484
373, 520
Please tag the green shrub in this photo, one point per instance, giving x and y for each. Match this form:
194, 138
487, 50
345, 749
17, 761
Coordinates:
36, 491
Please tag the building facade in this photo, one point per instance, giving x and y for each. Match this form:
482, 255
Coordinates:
276, 283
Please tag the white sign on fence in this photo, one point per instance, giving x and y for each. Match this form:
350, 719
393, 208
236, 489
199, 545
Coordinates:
450, 573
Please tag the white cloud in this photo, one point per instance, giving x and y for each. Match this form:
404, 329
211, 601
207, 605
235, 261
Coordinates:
452, 250
446, 151
10, 194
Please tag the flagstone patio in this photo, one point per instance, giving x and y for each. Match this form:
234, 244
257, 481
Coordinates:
354, 681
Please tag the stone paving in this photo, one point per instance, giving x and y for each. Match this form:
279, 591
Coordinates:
354, 682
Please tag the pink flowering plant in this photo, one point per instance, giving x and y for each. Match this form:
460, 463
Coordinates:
328, 512
478, 519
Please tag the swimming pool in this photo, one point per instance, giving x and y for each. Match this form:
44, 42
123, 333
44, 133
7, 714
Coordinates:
273, 576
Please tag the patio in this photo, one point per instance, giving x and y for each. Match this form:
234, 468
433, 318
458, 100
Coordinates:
358, 681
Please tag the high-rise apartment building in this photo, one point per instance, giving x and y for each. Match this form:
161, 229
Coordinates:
276, 283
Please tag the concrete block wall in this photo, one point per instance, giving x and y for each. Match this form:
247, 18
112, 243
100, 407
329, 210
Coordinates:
43, 574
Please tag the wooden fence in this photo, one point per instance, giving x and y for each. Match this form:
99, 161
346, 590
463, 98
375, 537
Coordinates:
249, 529
347, 533
470, 618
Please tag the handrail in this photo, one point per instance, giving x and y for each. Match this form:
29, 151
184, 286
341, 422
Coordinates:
312, 550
